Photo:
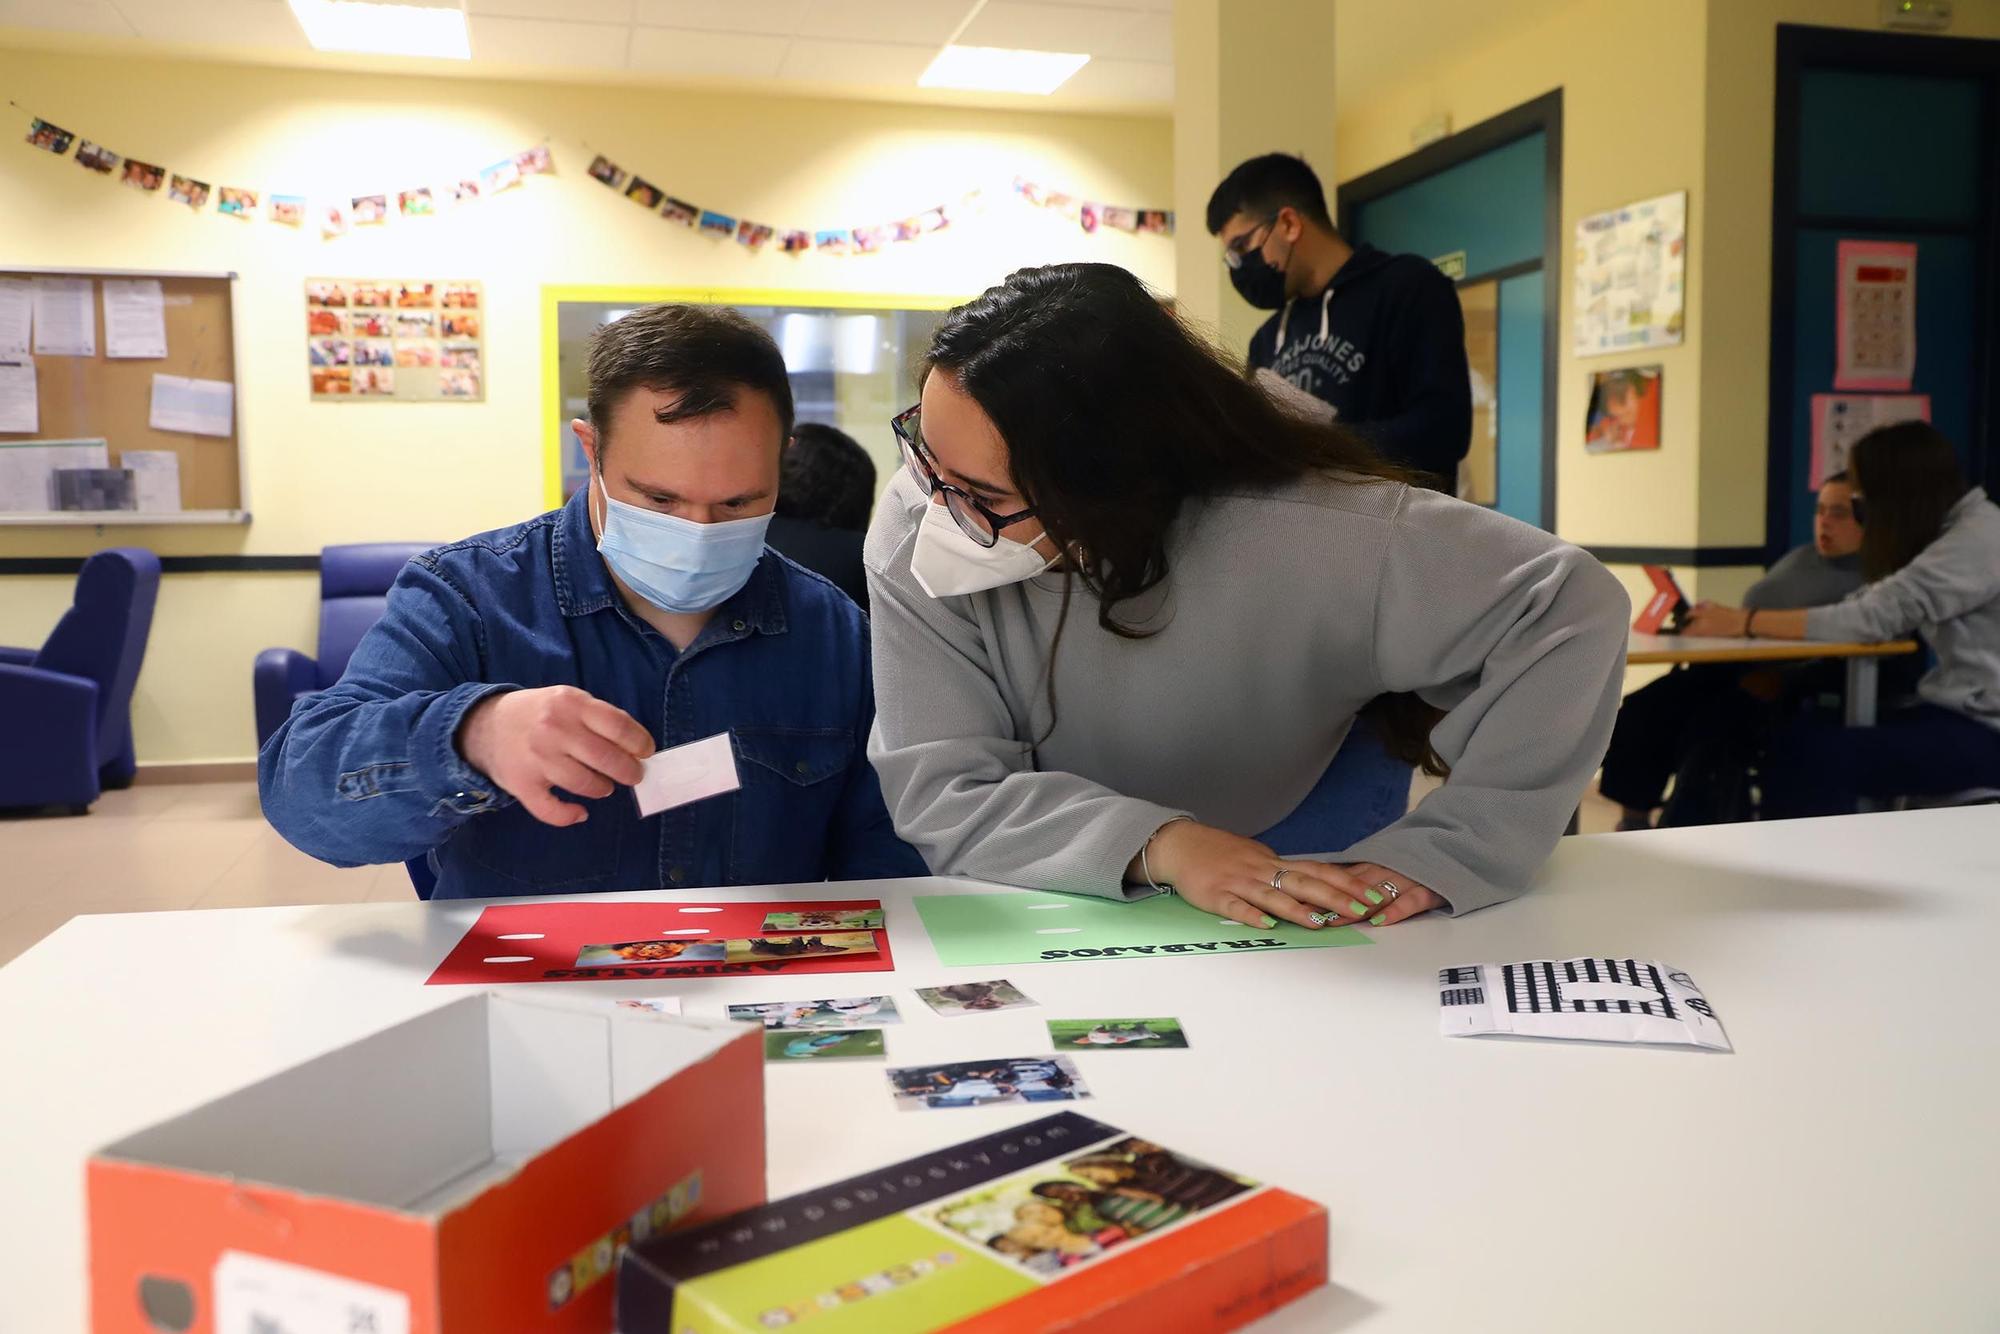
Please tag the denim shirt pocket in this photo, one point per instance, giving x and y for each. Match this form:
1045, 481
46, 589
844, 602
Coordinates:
793, 778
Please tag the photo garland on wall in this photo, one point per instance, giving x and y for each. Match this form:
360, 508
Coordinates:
870, 238
337, 217
379, 340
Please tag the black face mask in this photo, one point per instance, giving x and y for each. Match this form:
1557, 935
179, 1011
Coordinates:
1259, 281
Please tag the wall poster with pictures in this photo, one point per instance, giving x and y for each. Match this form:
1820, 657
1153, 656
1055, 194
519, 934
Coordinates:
396, 340
1624, 410
1631, 276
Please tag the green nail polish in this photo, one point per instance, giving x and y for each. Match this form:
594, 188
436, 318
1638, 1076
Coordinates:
1270, 922
1356, 908
1375, 897
1378, 919
1316, 918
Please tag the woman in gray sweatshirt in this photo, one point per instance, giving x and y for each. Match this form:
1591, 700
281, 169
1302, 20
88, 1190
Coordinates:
1126, 610
1930, 552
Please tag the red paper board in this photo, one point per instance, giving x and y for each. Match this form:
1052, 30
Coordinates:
1666, 600
540, 942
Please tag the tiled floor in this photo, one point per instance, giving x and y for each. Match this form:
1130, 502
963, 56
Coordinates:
157, 847
203, 845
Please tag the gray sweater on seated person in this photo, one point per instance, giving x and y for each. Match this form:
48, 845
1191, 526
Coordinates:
1804, 578
1950, 594
1283, 613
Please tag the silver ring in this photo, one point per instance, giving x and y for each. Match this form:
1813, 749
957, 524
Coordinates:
1278, 880
1388, 887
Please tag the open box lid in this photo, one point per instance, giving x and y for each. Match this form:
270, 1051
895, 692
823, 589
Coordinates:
420, 1118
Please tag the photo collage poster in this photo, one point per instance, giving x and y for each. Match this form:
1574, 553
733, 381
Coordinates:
395, 340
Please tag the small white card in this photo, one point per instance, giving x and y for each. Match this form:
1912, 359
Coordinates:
255, 1295
1591, 1000
681, 774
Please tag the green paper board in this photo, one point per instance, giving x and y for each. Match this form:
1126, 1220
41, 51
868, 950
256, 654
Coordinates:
1028, 927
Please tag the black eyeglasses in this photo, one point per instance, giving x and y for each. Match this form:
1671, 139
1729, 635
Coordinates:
1236, 251
976, 521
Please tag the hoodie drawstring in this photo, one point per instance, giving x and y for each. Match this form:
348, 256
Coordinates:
1325, 321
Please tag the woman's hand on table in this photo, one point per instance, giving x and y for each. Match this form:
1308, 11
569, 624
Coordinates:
1243, 880
1714, 620
1409, 900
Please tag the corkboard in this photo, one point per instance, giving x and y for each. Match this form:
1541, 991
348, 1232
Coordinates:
91, 397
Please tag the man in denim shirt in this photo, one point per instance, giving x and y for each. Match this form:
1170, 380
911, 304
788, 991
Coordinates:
495, 718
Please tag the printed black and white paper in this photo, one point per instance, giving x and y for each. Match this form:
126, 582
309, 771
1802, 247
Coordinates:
1590, 999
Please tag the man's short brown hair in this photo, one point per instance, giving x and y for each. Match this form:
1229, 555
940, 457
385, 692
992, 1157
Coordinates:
706, 355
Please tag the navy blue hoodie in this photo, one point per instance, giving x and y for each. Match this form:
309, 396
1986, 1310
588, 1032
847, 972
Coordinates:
1385, 345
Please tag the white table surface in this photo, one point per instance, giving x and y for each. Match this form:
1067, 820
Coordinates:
1839, 1171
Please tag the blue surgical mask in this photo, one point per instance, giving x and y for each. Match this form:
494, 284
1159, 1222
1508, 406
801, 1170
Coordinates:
676, 564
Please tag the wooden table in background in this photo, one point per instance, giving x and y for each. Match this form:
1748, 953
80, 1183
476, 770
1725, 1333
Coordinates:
1863, 660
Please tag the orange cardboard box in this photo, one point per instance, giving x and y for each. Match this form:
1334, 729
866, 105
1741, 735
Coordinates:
477, 1169
1064, 1224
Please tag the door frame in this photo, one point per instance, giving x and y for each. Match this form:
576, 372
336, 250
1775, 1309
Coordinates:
1544, 113
1802, 48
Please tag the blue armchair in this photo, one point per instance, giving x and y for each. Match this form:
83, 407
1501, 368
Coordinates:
354, 585
66, 708
353, 589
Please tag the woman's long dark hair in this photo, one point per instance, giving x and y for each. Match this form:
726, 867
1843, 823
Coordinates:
1909, 477
1115, 415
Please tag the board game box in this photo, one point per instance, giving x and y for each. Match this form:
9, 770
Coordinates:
1064, 1223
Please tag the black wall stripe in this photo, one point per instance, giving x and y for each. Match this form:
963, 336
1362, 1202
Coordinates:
170, 564
1699, 557
1696, 557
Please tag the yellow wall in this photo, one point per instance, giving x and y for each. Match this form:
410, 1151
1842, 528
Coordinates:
1249, 76
1633, 123
323, 473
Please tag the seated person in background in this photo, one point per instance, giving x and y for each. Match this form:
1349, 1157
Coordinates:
494, 716
826, 488
1661, 723
1931, 556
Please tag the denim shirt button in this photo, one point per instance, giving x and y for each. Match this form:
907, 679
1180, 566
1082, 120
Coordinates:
676, 875
739, 626
802, 768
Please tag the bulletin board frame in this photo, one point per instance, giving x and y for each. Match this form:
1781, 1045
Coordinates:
642, 295
121, 380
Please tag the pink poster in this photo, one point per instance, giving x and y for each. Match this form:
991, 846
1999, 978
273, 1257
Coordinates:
1838, 420
1875, 326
